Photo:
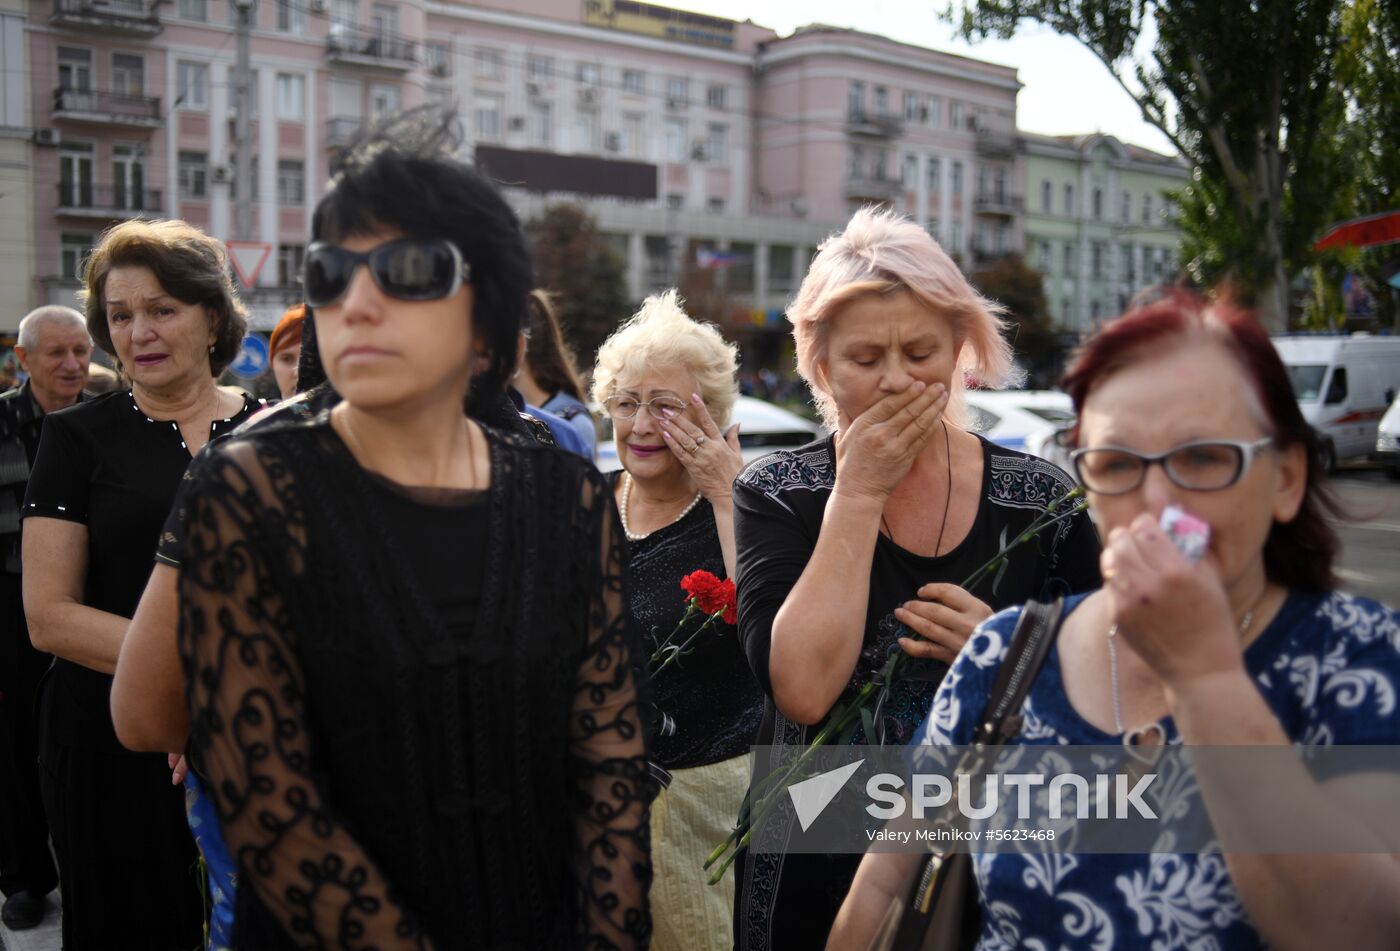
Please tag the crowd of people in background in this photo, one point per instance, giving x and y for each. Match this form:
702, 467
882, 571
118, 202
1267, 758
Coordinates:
388, 664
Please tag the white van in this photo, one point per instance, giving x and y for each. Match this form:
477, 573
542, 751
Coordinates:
1344, 385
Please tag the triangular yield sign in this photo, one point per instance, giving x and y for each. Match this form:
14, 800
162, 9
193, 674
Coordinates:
248, 259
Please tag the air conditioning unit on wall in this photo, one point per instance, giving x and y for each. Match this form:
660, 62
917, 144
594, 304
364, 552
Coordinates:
220, 174
47, 137
613, 141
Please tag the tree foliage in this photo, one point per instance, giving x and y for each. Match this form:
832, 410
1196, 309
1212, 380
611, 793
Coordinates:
1245, 90
587, 277
1009, 281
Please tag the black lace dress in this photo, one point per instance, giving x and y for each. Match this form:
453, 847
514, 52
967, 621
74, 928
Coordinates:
395, 763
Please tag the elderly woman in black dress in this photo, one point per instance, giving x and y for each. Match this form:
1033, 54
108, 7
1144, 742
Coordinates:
410, 680
669, 385
159, 299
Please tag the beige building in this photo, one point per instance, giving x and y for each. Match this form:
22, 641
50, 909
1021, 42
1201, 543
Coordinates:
16, 168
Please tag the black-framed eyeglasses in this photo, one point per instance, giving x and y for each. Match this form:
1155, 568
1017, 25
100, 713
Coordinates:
1204, 466
411, 269
660, 407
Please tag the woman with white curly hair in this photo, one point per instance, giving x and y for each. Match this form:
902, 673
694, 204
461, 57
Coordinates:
854, 546
668, 382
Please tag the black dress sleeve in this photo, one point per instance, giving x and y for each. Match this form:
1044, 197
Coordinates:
772, 548
613, 788
61, 481
1076, 559
170, 550
249, 736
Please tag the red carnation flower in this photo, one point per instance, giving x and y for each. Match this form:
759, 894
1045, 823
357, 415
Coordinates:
711, 595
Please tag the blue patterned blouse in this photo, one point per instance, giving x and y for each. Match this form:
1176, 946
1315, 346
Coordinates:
1328, 666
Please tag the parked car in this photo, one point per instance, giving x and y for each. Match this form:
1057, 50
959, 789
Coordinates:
763, 428
1022, 419
1343, 385
1388, 440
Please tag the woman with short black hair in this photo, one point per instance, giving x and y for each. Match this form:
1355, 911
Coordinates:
411, 684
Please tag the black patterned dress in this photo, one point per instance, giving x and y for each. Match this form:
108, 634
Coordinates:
790, 901
417, 711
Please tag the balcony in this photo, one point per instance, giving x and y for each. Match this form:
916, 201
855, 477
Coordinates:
134, 18
874, 126
106, 108
992, 203
993, 143
342, 130
107, 202
349, 46
874, 189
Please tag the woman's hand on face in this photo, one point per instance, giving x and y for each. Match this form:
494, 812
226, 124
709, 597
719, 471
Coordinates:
944, 617
1174, 614
712, 459
876, 450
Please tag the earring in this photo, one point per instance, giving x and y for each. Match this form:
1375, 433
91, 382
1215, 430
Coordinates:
211, 348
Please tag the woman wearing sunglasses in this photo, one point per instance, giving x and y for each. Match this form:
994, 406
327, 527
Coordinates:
411, 686
1188, 405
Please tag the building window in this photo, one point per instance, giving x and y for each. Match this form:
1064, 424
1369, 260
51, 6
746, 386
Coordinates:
589, 74
291, 17
1127, 209
439, 57
675, 201
1094, 309
291, 182
540, 69
586, 132
1066, 310
634, 82
541, 124
716, 96
1146, 209
128, 75
911, 107
193, 175
73, 250
74, 69
882, 101
677, 91
957, 236
289, 261
192, 85
488, 63
717, 148
1047, 195
633, 124
855, 99
1043, 258
675, 140
1069, 199
1098, 204
1096, 262
488, 117
193, 10
383, 100
715, 206
935, 173
1069, 259
957, 178
909, 172
1129, 264
780, 279
291, 96
935, 111
855, 163
955, 115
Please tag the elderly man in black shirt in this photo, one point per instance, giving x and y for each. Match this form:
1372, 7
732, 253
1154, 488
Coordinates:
54, 349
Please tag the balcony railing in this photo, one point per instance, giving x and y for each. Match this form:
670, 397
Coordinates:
119, 17
341, 130
991, 203
874, 126
875, 189
997, 143
76, 199
381, 49
83, 105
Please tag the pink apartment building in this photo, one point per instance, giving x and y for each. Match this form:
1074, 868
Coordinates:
694, 140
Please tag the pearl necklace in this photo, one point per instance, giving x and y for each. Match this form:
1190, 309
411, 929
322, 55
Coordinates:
622, 510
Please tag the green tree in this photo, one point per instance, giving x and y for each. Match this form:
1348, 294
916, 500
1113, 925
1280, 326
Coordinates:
575, 263
1244, 89
1009, 281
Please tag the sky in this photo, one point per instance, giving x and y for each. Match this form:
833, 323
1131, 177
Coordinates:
1066, 90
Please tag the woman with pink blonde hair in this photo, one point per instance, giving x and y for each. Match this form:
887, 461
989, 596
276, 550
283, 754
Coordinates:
854, 546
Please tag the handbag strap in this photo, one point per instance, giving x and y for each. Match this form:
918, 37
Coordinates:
1030, 643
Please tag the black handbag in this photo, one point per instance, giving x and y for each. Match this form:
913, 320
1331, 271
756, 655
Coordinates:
941, 911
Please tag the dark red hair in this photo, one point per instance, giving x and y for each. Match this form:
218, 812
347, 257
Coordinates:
1297, 554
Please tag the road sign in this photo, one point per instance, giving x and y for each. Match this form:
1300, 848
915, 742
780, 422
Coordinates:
252, 358
248, 259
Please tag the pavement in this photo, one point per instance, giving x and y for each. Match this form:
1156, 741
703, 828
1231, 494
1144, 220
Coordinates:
1370, 566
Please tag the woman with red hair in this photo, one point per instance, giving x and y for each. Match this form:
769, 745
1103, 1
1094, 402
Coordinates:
1186, 405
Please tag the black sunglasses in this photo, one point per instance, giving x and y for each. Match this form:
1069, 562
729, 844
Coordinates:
406, 268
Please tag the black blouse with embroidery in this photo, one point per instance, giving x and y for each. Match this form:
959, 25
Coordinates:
107, 465
388, 772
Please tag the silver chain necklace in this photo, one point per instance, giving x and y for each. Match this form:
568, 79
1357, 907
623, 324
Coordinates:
1113, 665
622, 510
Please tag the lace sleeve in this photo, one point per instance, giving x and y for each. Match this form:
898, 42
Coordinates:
608, 752
244, 549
